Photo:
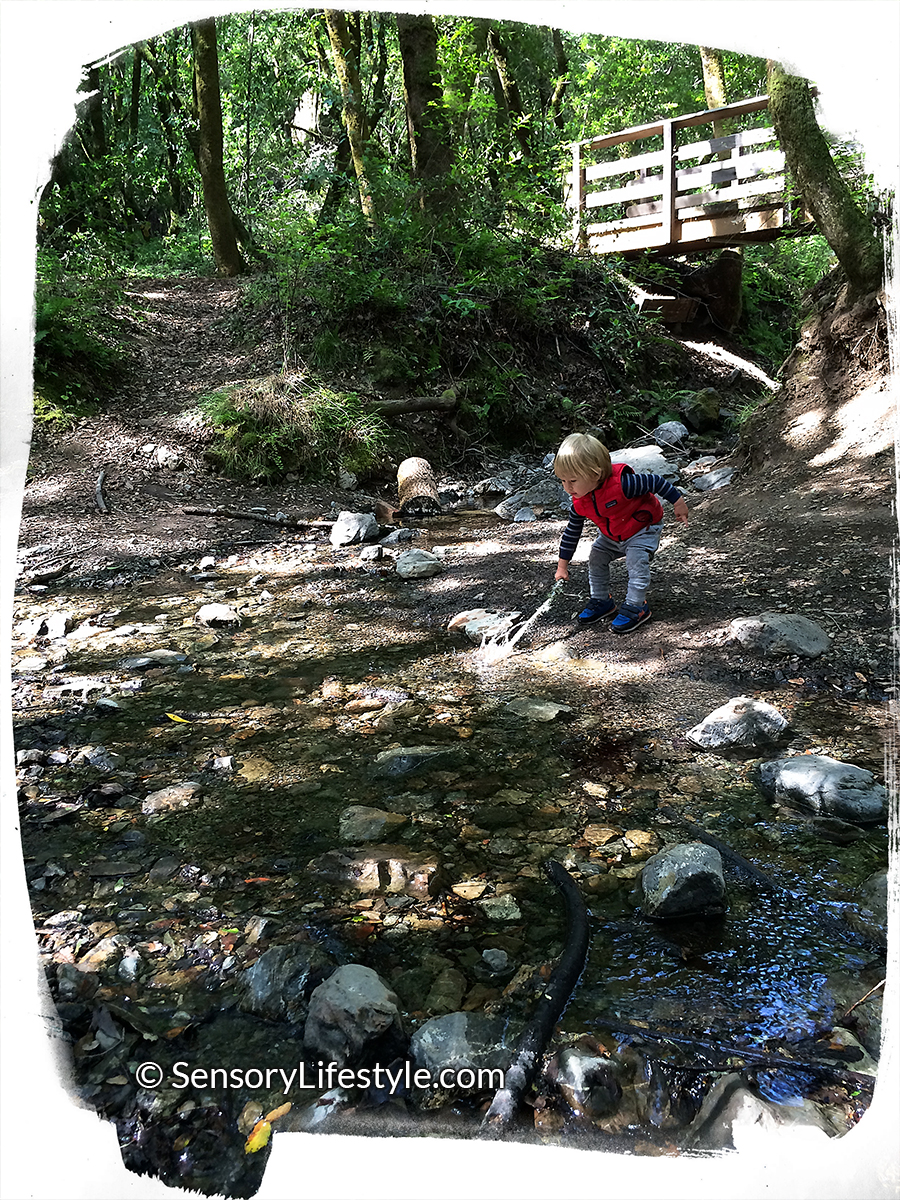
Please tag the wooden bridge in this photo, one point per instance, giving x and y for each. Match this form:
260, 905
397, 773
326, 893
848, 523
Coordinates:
652, 188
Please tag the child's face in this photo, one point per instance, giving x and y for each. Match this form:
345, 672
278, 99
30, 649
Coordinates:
577, 484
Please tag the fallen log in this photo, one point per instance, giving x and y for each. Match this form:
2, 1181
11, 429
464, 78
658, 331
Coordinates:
412, 404
417, 489
530, 1046
240, 515
98, 493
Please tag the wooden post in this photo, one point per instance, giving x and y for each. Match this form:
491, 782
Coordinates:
668, 191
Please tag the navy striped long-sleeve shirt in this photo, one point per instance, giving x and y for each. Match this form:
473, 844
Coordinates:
633, 485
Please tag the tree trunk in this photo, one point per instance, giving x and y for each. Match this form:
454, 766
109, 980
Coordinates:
209, 161
510, 91
343, 163
839, 219
134, 109
714, 83
177, 204
481, 28
427, 122
562, 80
347, 70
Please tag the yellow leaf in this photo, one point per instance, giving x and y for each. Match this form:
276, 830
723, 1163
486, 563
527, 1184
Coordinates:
173, 717
259, 1137
279, 1112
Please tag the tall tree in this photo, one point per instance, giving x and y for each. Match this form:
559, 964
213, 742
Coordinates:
713, 83
346, 65
510, 91
209, 159
427, 120
562, 80
840, 220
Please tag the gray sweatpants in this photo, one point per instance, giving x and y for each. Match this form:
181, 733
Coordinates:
637, 552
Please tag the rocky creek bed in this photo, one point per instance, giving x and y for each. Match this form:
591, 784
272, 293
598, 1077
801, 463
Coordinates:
218, 815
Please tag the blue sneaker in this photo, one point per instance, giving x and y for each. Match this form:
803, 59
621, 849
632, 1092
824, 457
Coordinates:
598, 610
630, 617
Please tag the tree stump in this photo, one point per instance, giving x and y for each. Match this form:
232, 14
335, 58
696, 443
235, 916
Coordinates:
416, 489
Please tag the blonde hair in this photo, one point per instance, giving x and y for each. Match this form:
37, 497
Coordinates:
583, 454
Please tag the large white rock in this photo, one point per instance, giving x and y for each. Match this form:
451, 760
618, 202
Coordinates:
351, 1008
646, 458
775, 633
825, 786
350, 528
743, 721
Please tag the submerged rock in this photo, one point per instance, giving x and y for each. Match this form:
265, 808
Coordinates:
352, 1008
179, 795
409, 760
458, 1040
776, 633
684, 880
531, 709
391, 869
732, 1117
362, 824
743, 721
824, 786
276, 986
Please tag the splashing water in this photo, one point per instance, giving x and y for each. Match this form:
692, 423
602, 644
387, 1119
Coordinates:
500, 645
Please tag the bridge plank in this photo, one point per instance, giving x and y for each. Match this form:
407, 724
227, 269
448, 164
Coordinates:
727, 195
734, 141
625, 166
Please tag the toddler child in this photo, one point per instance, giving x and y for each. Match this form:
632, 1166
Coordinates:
623, 505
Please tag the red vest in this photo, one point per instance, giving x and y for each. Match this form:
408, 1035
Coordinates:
615, 515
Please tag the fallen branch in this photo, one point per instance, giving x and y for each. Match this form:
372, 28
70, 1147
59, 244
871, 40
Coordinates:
750, 1057
48, 573
240, 515
98, 493
412, 404
560, 986
863, 999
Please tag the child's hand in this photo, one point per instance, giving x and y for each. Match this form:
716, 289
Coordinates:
680, 510
562, 571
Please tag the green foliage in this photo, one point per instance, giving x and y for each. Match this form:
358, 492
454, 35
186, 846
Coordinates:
81, 347
263, 429
775, 278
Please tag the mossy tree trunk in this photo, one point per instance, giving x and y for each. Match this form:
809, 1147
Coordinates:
427, 122
346, 65
510, 92
210, 146
839, 219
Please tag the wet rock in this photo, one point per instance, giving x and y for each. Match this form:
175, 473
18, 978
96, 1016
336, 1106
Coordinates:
556, 652
713, 480
278, 984
350, 528
361, 824
447, 991
743, 721
732, 1117
489, 625
410, 760
874, 895
164, 868
683, 880
824, 786
531, 709
459, 1040
588, 1082
397, 537
670, 433
153, 658
469, 889
548, 492
390, 869
99, 757
500, 908
775, 633
349, 1010
599, 835
98, 870
418, 564
168, 799
75, 986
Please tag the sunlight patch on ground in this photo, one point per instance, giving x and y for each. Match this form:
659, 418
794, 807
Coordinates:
867, 425
807, 425
711, 350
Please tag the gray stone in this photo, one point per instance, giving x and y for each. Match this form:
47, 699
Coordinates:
353, 527
371, 553
776, 633
588, 1082
459, 1040
361, 824
216, 614
701, 410
381, 868
418, 564
732, 1117
496, 959
824, 786
713, 480
447, 991
743, 721
347, 480
525, 514
99, 757
348, 1011
683, 880
670, 433
398, 536
500, 908
153, 658
167, 799
531, 709
410, 760
646, 458
276, 986
874, 895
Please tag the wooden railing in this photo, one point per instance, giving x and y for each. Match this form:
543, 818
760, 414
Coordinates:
675, 194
